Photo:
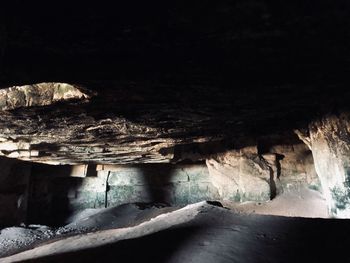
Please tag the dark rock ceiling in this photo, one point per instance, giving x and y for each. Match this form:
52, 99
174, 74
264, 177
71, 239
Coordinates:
259, 42
182, 74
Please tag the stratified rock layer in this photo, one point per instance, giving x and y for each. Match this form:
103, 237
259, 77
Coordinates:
128, 123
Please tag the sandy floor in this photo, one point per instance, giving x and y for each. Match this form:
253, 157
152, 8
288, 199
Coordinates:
204, 233
302, 202
17, 239
200, 232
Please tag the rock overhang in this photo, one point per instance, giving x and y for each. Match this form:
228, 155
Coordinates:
40, 94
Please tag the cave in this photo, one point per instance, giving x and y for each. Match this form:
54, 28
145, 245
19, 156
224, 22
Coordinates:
185, 131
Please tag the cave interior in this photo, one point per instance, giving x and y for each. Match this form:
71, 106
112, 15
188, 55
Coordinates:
188, 131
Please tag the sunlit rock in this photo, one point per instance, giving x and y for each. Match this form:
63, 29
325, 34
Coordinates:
246, 175
39, 95
293, 165
241, 175
329, 140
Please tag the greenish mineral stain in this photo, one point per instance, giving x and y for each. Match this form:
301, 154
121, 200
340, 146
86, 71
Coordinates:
342, 196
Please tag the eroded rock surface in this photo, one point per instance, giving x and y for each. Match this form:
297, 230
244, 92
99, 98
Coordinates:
39, 95
292, 162
125, 122
329, 140
246, 175
240, 175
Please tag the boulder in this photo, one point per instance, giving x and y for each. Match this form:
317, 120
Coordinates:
241, 175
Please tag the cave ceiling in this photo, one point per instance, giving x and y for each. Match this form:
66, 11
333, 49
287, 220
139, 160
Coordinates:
162, 82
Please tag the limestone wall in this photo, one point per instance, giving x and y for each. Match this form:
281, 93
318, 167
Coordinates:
250, 174
55, 193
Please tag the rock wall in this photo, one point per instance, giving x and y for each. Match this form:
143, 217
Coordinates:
329, 140
55, 193
293, 165
250, 175
255, 173
14, 178
241, 175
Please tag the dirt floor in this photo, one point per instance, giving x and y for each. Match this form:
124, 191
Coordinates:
300, 202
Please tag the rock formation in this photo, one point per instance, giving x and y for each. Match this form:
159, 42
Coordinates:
241, 175
329, 141
40, 94
59, 123
246, 175
114, 86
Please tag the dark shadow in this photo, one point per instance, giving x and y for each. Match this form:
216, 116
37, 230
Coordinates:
52, 194
62, 203
14, 187
272, 183
158, 247
279, 158
273, 239
189, 153
273, 177
49, 147
91, 170
157, 179
107, 189
267, 142
307, 240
